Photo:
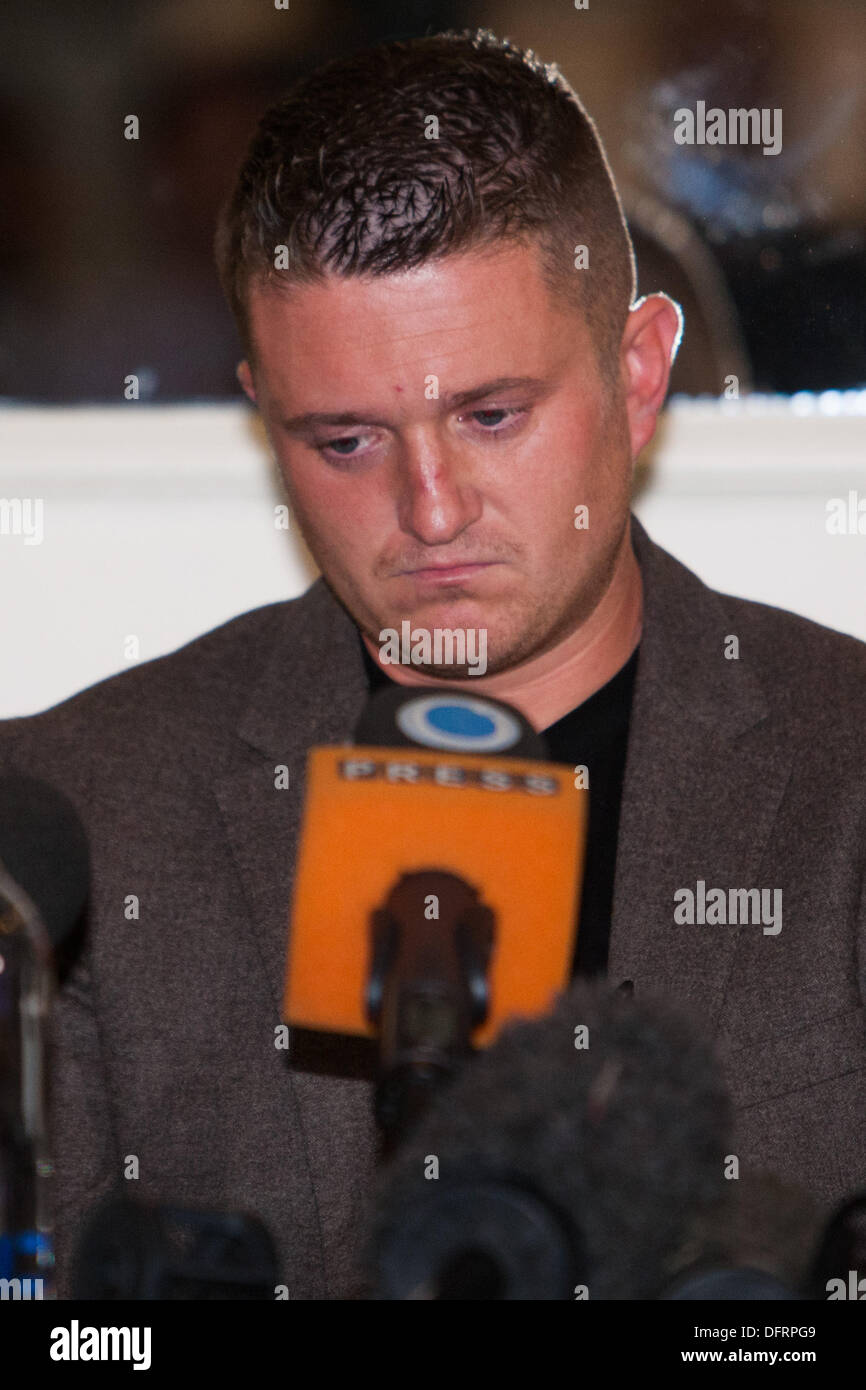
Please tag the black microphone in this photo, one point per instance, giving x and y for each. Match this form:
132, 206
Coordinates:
44, 877
44, 850
428, 985
431, 849
741, 1285
782, 1242
447, 718
581, 1156
138, 1250
838, 1270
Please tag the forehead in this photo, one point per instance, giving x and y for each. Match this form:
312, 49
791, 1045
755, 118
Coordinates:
489, 310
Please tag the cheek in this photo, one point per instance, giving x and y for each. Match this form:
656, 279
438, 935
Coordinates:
343, 520
316, 494
574, 489
557, 473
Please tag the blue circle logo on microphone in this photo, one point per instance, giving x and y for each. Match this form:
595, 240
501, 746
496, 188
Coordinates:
460, 723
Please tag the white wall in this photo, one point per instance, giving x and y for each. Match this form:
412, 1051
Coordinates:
159, 524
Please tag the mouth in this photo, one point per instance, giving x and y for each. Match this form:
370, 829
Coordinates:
448, 574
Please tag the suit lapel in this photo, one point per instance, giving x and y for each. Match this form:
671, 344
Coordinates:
702, 787
311, 692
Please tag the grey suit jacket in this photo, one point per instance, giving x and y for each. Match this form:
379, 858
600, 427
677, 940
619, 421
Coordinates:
743, 773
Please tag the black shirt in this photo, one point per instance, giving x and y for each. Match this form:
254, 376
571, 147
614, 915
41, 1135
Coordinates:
594, 734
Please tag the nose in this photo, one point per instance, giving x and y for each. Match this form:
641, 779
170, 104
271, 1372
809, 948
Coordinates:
436, 497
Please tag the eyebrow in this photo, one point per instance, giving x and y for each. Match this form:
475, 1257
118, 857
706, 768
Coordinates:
297, 424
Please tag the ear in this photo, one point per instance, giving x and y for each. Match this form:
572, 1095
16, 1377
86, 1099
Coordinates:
649, 345
245, 377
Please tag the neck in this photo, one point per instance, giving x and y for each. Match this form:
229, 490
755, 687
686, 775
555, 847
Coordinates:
546, 687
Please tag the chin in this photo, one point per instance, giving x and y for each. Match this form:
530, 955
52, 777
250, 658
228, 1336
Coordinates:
451, 674
463, 614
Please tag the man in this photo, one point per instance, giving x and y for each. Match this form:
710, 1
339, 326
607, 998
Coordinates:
435, 291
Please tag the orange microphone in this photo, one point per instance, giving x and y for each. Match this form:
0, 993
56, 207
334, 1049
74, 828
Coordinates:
436, 888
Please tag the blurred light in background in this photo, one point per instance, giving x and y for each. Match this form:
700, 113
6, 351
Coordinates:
105, 244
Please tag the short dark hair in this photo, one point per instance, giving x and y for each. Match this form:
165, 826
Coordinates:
343, 174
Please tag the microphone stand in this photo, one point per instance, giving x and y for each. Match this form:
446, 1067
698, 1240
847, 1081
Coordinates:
427, 991
26, 1248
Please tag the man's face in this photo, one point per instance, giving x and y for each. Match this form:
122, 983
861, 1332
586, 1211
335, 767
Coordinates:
436, 430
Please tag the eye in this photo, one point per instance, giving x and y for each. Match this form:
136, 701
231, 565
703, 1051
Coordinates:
345, 446
496, 419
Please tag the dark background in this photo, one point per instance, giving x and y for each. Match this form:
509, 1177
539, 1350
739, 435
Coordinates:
106, 265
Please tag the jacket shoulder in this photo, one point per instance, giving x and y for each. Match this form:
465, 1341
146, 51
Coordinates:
197, 690
803, 666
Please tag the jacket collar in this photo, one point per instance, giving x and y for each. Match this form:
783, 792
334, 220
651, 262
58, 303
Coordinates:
314, 683
703, 782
